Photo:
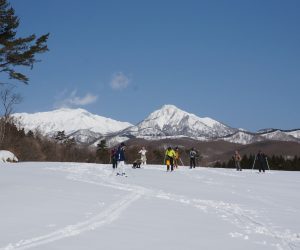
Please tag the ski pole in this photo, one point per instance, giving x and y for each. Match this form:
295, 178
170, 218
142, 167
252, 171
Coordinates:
181, 161
267, 163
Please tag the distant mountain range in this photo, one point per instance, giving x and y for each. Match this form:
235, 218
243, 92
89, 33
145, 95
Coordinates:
167, 122
85, 127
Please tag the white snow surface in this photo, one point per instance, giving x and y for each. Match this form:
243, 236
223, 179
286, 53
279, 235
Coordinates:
7, 156
86, 206
69, 120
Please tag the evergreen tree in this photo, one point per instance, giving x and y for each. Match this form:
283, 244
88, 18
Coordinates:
102, 145
30, 134
60, 136
70, 142
158, 156
102, 152
245, 163
230, 163
217, 164
17, 51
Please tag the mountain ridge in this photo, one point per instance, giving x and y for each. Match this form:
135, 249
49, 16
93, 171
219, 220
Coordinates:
69, 120
166, 122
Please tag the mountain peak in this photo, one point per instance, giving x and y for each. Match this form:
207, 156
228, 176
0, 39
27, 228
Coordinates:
172, 121
169, 107
165, 114
71, 110
69, 120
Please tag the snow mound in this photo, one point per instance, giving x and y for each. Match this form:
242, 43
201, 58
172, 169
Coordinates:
7, 156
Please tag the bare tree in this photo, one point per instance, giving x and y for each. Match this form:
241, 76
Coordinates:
8, 100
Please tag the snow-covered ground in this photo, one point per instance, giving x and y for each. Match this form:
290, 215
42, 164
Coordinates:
74, 206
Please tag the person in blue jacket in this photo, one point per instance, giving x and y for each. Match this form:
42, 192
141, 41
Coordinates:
120, 156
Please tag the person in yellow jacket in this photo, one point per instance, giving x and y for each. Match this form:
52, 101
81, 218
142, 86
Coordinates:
169, 158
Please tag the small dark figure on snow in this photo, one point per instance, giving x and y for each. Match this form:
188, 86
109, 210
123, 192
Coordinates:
261, 160
113, 157
137, 163
237, 160
193, 155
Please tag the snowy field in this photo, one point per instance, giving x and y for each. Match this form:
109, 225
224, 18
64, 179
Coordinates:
72, 206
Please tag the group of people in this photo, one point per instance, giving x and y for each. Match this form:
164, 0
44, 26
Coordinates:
172, 158
260, 158
117, 158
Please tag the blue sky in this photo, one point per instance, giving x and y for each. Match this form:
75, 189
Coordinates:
235, 61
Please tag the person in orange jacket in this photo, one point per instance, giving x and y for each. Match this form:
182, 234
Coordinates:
176, 160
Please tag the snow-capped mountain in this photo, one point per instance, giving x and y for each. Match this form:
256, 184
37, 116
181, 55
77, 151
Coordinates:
170, 121
278, 135
241, 137
245, 137
79, 123
85, 136
166, 122
294, 133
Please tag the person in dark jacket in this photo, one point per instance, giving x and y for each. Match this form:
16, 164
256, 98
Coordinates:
120, 156
261, 161
193, 155
113, 157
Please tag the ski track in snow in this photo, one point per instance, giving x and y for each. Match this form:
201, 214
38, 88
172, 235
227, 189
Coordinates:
105, 217
247, 221
255, 197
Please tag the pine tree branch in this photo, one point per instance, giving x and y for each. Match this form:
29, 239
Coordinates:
14, 51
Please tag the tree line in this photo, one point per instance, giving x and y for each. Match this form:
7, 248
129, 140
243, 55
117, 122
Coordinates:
276, 162
33, 146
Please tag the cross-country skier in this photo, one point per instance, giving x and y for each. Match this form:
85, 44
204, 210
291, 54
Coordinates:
143, 152
261, 159
169, 158
193, 155
121, 159
113, 157
237, 160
